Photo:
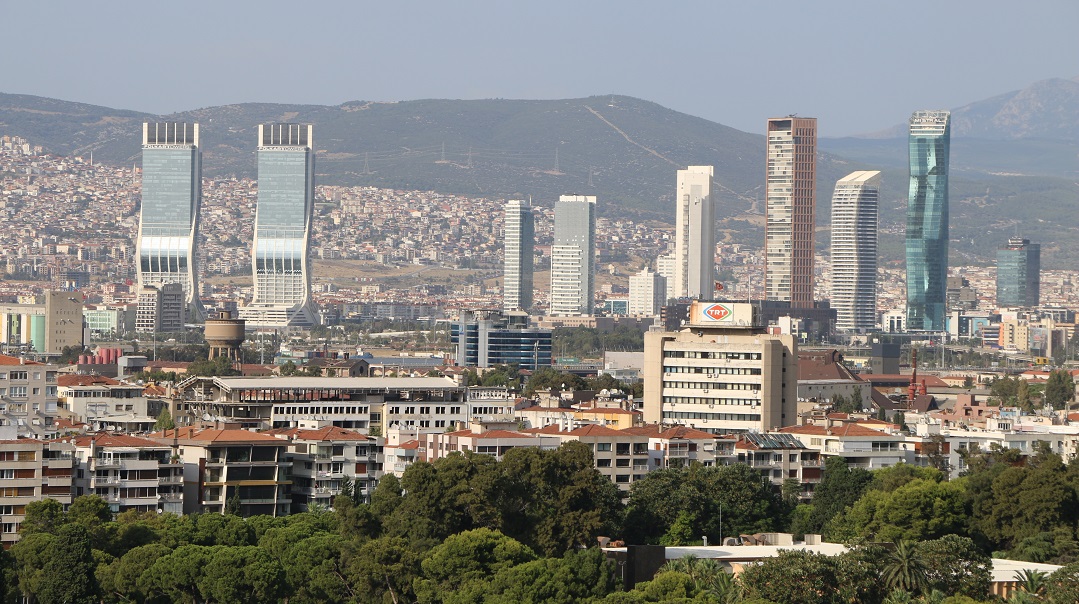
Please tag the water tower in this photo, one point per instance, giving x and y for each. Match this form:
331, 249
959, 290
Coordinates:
225, 335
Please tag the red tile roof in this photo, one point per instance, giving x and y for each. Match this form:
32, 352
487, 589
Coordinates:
850, 429
215, 435
672, 433
329, 433
84, 380
593, 430
103, 439
10, 360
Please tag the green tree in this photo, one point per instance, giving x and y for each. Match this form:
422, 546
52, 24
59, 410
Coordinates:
468, 557
242, 575
920, 509
44, 516
382, 569
177, 577
792, 577
219, 366
904, 569
958, 567
164, 420
68, 575
31, 555
839, 488
1059, 388
1063, 585
579, 576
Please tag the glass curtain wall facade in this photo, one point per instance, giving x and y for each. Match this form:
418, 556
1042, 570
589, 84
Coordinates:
519, 247
286, 196
168, 219
854, 251
573, 256
927, 221
695, 234
488, 338
790, 210
1018, 273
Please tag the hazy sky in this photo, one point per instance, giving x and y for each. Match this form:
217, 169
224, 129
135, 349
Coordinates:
857, 66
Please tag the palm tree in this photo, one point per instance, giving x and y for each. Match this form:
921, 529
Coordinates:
898, 596
904, 569
1032, 581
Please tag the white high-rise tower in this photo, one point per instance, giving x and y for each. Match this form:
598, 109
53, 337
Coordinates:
854, 250
519, 247
573, 256
695, 234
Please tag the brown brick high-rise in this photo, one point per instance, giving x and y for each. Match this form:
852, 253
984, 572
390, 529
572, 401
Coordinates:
790, 210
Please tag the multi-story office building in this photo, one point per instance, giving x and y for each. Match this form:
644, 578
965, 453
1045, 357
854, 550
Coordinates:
647, 293
790, 210
31, 470
519, 242
160, 308
110, 321
280, 255
45, 323
695, 234
666, 266
573, 256
927, 220
1018, 273
168, 223
722, 373
854, 250
485, 338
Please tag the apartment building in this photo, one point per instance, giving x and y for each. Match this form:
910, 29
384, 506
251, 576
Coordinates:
859, 446
779, 458
495, 443
28, 396
106, 404
31, 470
129, 473
323, 459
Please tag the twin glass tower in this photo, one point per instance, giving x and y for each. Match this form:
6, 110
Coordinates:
168, 225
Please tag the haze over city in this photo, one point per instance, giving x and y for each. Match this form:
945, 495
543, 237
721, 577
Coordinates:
858, 67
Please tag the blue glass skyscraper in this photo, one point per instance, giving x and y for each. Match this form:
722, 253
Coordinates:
168, 219
927, 220
286, 198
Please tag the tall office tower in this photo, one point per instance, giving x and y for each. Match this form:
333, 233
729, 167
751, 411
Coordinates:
573, 256
1019, 267
286, 197
790, 210
647, 293
168, 221
927, 220
695, 234
666, 266
854, 250
520, 242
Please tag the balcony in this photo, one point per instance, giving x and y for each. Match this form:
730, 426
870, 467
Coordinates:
170, 497
170, 480
107, 463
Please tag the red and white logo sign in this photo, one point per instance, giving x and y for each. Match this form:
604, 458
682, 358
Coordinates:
716, 312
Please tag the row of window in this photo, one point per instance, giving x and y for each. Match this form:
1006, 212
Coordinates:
424, 410
711, 385
713, 370
719, 417
305, 409
706, 354
702, 400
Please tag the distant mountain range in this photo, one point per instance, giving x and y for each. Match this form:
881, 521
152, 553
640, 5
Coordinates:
1015, 156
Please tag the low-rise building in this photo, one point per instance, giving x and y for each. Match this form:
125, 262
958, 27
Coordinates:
129, 473
31, 470
325, 459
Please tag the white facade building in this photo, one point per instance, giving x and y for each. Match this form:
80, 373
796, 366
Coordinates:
647, 293
520, 238
695, 234
573, 256
854, 250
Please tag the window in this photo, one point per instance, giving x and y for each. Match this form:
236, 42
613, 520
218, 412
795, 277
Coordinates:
603, 446
603, 463
18, 375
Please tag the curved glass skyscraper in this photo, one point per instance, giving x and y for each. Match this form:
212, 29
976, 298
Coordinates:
168, 220
854, 251
286, 197
927, 220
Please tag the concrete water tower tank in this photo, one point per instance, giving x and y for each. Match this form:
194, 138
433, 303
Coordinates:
225, 335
